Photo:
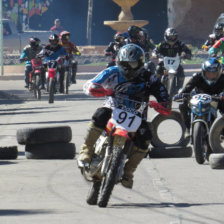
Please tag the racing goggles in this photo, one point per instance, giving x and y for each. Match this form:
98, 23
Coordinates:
130, 65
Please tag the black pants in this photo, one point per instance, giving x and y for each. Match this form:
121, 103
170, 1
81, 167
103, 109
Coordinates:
142, 136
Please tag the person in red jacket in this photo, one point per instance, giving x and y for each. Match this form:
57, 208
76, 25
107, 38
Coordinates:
57, 28
71, 50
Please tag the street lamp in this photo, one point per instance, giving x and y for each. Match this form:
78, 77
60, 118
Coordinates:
1, 39
89, 22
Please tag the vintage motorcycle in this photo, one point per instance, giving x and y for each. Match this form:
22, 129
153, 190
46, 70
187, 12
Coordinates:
203, 113
113, 148
35, 77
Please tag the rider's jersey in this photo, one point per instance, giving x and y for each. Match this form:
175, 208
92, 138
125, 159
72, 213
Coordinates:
168, 50
30, 53
52, 53
113, 49
138, 89
211, 41
198, 83
70, 48
218, 46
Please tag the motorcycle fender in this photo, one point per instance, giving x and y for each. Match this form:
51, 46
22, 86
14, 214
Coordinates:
202, 121
121, 132
51, 73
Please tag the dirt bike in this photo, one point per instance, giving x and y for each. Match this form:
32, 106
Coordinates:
35, 77
53, 77
169, 78
203, 113
113, 148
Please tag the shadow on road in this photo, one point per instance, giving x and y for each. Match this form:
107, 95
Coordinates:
17, 212
49, 122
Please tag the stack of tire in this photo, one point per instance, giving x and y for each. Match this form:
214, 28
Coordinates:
8, 152
216, 140
47, 142
161, 149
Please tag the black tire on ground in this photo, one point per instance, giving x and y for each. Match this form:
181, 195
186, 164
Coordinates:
93, 193
10, 152
216, 160
171, 152
44, 135
198, 142
57, 150
157, 120
51, 90
109, 180
214, 136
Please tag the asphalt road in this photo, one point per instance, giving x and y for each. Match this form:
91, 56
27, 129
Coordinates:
166, 191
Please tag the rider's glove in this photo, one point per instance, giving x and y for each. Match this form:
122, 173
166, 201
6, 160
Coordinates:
177, 97
21, 60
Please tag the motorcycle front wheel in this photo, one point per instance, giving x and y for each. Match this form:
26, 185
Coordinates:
109, 180
66, 82
36, 89
51, 90
199, 142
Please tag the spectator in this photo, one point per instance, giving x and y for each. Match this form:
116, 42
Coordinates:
57, 28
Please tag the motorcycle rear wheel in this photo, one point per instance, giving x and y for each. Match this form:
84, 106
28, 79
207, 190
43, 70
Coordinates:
51, 90
199, 142
109, 180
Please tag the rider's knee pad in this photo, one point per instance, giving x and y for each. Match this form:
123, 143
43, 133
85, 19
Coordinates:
143, 136
101, 117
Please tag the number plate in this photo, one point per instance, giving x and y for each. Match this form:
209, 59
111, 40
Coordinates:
125, 120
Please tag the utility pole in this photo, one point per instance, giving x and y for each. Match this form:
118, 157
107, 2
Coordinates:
1, 40
89, 22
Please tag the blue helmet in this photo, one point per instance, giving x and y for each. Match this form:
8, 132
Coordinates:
130, 60
211, 70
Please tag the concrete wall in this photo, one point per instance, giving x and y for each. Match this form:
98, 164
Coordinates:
194, 19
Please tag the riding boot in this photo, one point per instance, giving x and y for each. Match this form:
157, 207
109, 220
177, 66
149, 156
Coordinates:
131, 165
87, 150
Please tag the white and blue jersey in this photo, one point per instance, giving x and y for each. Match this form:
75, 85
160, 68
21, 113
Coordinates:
138, 89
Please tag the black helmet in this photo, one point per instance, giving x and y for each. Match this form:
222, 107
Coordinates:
219, 30
146, 33
53, 39
118, 37
211, 70
170, 36
34, 42
133, 31
130, 59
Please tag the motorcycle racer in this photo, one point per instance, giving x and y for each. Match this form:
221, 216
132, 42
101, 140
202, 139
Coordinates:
113, 48
218, 33
170, 47
70, 49
210, 80
52, 51
29, 52
131, 79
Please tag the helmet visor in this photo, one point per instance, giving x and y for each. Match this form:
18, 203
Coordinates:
211, 75
53, 42
171, 37
129, 65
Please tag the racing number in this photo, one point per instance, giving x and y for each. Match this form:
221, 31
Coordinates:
123, 116
171, 62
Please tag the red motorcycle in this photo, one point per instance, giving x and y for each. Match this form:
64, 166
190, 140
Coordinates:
35, 77
114, 145
53, 77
